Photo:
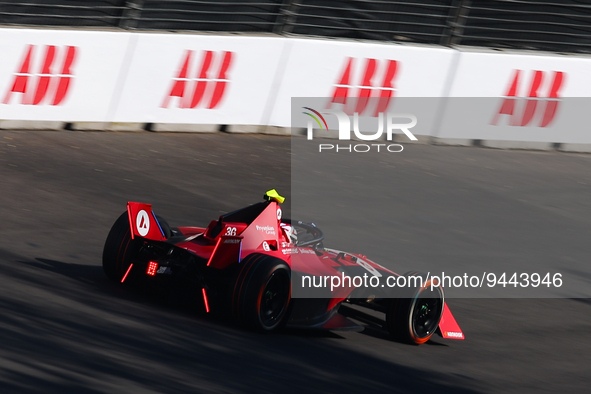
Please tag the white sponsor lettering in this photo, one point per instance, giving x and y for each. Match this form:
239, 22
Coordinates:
269, 230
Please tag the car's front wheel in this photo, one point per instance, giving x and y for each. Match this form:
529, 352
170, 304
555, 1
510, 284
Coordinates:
415, 315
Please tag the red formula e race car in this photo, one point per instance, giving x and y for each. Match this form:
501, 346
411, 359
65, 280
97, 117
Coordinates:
268, 272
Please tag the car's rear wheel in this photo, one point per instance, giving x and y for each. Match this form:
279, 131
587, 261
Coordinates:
119, 250
415, 315
262, 292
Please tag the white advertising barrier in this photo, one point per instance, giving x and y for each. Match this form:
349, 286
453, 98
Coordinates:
200, 79
86, 76
516, 97
59, 75
339, 70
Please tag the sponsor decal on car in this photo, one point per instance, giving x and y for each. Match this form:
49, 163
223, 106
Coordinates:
164, 270
269, 230
142, 223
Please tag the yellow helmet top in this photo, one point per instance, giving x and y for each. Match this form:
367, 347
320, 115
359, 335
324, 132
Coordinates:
273, 195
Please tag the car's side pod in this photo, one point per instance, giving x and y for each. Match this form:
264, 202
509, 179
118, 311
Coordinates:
143, 222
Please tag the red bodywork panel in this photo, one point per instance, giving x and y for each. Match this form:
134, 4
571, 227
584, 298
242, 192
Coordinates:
223, 243
448, 325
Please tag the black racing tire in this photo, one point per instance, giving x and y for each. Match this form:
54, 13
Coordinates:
261, 293
414, 316
119, 250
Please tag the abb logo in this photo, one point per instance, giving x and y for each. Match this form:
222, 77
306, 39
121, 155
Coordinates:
510, 104
382, 83
191, 90
35, 87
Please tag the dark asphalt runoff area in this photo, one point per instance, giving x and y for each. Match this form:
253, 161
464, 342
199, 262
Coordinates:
64, 327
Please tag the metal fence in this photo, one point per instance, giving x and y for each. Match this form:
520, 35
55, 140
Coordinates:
62, 12
549, 25
556, 25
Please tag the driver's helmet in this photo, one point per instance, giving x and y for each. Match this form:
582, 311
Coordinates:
290, 233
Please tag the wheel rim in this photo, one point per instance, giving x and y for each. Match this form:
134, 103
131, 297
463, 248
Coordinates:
426, 313
273, 299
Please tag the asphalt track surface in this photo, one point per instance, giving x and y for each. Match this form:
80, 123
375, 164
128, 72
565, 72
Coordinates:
64, 327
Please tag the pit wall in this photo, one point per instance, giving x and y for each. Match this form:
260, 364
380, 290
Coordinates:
99, 80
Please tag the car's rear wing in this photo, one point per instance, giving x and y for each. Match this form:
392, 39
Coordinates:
143, 222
